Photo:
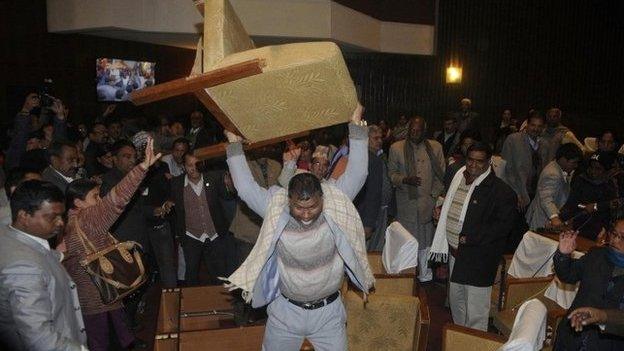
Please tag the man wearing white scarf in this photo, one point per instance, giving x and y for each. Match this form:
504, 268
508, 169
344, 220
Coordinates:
310, 237
475, 221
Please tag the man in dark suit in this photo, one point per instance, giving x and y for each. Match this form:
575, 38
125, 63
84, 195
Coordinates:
449, 136
39, 307
368, 200
63, 164
131, 225
200, 222
199, 135
477, 217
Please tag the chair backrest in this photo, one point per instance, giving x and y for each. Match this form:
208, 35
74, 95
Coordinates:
458, 338
529, 328
400, 250
377, 267
385, 322
403, 284
375, 263
517, 291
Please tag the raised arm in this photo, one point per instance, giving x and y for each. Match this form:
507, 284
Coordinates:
354, 177
290, 158
59, 120
568, 269
100, 217
255, 196
21, 127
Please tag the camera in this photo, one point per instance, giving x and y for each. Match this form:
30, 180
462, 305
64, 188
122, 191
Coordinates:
45, 93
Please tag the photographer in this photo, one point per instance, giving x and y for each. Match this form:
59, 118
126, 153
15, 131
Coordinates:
29, 119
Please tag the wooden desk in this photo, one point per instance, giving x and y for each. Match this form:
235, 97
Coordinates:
202, 318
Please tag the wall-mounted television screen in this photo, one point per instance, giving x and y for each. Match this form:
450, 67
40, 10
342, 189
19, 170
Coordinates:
117, 78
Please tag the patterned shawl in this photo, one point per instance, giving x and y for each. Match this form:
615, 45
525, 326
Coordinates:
335, 205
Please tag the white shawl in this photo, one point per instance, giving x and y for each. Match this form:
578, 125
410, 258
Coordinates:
336, 205
439, 248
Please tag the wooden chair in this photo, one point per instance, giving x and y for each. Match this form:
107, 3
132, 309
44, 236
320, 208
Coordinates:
458, 338
230, 78
496, 298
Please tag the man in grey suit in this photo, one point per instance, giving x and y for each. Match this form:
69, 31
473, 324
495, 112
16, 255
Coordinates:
526, 155
553, 188
63, 164
39, 307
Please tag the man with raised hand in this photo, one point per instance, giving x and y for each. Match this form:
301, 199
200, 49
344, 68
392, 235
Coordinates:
311, 235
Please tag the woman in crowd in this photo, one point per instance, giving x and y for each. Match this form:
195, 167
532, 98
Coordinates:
601, 276
93, 216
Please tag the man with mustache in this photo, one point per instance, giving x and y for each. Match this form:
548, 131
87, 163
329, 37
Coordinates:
39, 307
63, 164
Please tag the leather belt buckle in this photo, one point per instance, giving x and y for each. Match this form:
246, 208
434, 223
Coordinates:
312, 305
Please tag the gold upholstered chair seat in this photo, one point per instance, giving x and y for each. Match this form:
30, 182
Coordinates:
386, 322
302, 86
458, 338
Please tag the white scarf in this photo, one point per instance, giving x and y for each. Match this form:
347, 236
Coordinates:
336, 205
439, 248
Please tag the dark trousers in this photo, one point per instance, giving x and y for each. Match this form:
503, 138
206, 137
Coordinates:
218, 255
161, 242
97, 328
243, 249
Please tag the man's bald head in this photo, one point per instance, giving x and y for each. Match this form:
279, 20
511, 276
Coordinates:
417, 129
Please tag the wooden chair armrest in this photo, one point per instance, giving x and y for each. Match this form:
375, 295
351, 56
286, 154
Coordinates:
511, 280
526, 287
557, 313
493, 340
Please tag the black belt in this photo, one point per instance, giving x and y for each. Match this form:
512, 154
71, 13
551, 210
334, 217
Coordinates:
312, 305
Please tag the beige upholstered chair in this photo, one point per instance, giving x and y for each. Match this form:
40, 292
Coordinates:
458, 338
386, 322
302, 86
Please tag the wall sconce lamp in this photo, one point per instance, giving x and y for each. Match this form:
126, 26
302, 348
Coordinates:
453, 75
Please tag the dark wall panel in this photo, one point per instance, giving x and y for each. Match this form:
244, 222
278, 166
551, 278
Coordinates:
518, 54
31, 54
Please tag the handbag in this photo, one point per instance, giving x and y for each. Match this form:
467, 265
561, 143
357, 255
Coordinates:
116, 270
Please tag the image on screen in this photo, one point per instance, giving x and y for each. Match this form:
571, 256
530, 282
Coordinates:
116, 78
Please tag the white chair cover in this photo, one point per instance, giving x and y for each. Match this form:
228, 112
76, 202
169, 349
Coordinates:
400, 251
563, 294
529, 329
531, 254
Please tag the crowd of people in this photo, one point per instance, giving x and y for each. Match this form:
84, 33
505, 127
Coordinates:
467, 194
